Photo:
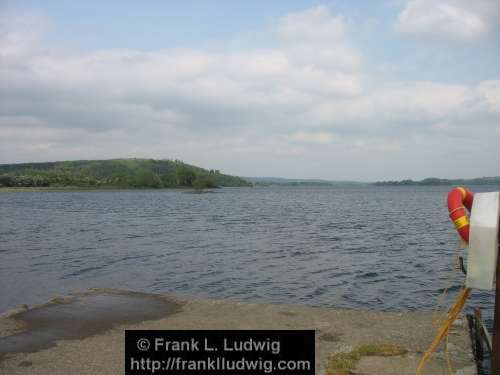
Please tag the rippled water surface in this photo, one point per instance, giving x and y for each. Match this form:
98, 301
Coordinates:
385, 248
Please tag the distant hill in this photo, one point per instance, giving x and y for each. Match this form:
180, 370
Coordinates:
280, 181
443, 181
116, 173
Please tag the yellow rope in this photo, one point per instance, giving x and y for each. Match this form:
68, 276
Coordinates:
445, 320
436, 320
445, 327
440, 316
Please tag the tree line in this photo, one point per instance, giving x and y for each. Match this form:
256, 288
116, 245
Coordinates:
119, 173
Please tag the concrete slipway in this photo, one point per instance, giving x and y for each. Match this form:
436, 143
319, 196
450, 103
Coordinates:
84, 333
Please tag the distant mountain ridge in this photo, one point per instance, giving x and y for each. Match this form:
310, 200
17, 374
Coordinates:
116, 173
443, 181
280, 181
266, 181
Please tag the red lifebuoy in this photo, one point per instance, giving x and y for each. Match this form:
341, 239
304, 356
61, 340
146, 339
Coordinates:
458, 199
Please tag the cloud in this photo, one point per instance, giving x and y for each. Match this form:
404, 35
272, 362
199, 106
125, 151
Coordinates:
490, 92
310, 137
377, 144
387, 105
452, 19
19, 33
319, 38
312, 25
198, 90
280, 110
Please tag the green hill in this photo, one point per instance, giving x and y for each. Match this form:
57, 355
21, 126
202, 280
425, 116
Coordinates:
115, 173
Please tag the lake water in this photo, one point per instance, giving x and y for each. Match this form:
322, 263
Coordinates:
367, 247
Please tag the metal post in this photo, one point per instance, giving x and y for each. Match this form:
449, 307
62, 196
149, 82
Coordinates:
479, 335
495, 353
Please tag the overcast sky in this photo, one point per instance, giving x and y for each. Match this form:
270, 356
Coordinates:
343, 90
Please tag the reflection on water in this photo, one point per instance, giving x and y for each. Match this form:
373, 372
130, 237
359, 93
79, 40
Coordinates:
386, 248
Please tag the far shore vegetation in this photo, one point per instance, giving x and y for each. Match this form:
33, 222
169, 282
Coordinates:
112, 174
442, 181
165, 173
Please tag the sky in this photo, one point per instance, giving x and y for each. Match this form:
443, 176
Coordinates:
339, 90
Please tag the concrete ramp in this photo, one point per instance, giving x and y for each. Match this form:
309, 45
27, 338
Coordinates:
84, 333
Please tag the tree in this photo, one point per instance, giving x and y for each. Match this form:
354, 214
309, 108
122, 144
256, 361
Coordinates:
185, 176
6, 180
204, 182
146, 179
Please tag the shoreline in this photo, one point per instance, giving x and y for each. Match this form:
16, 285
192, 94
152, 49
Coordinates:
105, 313
82, 188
